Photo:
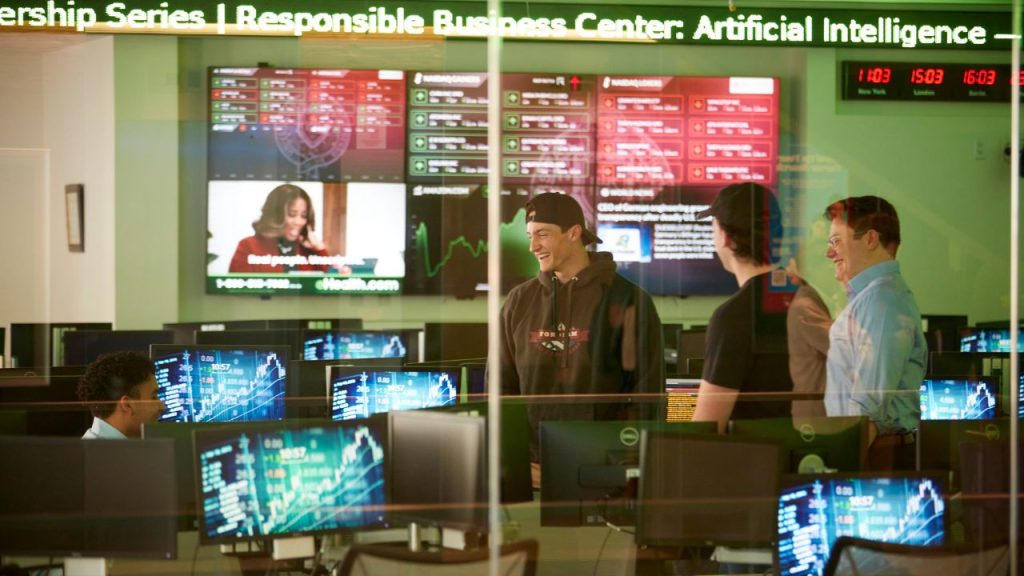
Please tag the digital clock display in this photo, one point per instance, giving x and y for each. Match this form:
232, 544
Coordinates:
930, 82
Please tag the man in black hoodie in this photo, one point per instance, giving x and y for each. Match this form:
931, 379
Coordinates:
578, 329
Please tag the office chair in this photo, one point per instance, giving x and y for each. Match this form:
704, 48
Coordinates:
860, 557
517, 559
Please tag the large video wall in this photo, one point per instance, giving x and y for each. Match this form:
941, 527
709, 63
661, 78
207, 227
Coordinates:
391, 168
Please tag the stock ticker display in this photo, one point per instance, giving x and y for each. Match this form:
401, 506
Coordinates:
361, 394
641, 154
211, 385
263, 483
958, 400
353, 345
813, 514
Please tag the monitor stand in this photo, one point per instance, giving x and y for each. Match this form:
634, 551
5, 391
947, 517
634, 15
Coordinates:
85, 567
415, 541
290, 548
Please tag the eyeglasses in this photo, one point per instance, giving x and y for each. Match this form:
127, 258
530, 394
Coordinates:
834, 240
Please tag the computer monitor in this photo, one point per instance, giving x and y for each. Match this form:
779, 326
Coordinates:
965, 398
984, 472
812, 444
938, 441
706, 490
85, 346
359, 345
308, 384
475, 379
49, 399
455, 342
220, 384
690, 345
670, 342
267, 481
69, 497
514, 440
680, 398
357, 392
43, 344
815, 510
986, 339
289, 338
589, 469
942, 331
439, 468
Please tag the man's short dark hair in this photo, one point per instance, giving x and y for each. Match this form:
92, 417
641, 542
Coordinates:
749, 215
110, 377
863, 213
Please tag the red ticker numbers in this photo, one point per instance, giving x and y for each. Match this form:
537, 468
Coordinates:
874, 75
979, 77
929, 76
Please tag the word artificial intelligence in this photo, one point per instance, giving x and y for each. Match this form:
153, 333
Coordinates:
741, 28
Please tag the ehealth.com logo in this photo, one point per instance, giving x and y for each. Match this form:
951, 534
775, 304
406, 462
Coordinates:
357, 285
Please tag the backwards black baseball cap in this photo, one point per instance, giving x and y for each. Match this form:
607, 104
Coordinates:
561, 210
750, 214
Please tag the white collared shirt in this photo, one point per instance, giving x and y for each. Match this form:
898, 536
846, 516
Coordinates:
100, 430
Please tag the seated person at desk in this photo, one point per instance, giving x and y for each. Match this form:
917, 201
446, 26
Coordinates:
120, 391
746, 353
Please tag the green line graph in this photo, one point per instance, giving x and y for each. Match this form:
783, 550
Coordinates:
515, 247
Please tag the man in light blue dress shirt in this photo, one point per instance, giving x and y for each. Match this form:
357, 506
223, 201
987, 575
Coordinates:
877, 350
121, 392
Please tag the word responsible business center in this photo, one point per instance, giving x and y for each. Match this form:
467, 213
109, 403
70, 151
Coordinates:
586, 25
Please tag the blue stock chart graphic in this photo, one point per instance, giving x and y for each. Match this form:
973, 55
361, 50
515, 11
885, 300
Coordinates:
361, 394
957, 400
353, 345
208, 385
291, 481
812, 515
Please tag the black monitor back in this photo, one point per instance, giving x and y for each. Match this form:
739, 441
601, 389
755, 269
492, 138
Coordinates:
707, 490
95, 498
50, 403
454, 342
984, 471
588, 469
840, 442
942, 332
938, 442
85, 346
43, 344
690, 345
439, 468
516, 485
290, 338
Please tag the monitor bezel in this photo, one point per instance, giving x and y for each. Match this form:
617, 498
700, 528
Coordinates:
793, 480
159, 350
378, 426
336, 371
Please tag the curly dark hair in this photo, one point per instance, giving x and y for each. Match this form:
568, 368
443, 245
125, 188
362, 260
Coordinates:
110, 377
863, 213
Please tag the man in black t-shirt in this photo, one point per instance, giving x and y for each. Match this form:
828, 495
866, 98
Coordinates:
746, 363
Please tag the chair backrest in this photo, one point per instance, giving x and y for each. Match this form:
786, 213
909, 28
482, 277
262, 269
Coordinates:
517, 559
860, 557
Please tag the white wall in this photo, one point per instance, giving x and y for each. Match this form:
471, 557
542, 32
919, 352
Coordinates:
78, 129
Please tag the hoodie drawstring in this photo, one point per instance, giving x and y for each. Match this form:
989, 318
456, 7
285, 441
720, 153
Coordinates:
565, 335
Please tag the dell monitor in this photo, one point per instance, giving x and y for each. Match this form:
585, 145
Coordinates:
938, 441
358, 392
813, 444
439, 468
359, 345
48, 398
92, 498
271, 481
965, 398
220, 384
815, 510
706, 490
589, 469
